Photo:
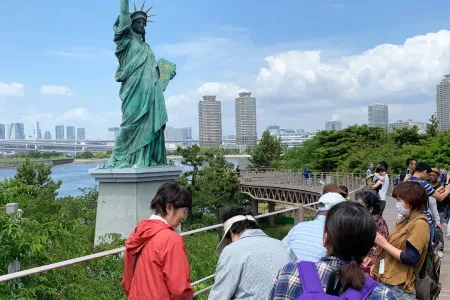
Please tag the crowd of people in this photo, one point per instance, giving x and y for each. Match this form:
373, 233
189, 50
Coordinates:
346, 251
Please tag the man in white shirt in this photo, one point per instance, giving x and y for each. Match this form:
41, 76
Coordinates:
384, 188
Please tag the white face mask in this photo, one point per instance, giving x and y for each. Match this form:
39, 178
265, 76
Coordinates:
402, 210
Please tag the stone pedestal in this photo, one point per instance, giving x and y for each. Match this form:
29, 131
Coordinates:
124, 196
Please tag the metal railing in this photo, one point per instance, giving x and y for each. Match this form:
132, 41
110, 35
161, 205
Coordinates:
298, 211
296, 179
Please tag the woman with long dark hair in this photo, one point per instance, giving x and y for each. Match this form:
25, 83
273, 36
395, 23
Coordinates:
349, 235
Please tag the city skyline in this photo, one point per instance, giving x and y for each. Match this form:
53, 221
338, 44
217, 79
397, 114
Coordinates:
301, 78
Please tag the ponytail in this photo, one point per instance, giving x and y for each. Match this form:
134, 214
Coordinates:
351, 276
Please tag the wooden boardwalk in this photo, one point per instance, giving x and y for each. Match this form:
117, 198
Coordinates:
390, 216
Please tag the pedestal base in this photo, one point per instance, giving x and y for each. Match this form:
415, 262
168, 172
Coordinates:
124, 196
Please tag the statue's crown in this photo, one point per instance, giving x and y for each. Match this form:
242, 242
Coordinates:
141, 14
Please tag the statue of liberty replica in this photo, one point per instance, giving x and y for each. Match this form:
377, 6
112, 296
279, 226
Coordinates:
140, 142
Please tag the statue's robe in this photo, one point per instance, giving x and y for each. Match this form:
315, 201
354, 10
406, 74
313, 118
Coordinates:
144, 116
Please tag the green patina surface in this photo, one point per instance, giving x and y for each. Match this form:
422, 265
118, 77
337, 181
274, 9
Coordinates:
143, 81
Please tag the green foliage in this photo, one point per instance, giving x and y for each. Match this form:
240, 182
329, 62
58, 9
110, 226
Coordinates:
54, 229
403, 136
351, 149
433, 126
36, 155
213, 182
267, 153
325, 151
193, 157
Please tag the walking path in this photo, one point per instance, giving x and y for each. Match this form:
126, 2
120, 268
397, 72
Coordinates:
390, 215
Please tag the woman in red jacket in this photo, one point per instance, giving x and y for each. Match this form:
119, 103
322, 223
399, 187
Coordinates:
156, 265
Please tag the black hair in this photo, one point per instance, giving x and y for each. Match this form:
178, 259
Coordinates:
380, 169
241, 226
441, 167
171, 193
345, 189
370, 198
384, 164
409, 160
422, 166
351, 232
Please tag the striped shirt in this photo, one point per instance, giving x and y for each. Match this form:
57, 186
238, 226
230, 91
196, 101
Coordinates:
306, 240
430, 191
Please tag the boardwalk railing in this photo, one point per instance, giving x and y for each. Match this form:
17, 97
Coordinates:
283, 178
298, 212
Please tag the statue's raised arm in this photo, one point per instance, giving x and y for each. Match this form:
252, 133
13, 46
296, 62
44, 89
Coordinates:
124, 13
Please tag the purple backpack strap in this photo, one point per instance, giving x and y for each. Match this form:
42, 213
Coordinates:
352, 294
309, 277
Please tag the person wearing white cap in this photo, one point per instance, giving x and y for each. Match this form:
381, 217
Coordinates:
306, 238
249, 259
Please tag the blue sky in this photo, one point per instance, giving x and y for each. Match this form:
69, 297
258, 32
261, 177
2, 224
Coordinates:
306, 62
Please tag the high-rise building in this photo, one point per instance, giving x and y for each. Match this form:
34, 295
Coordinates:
187, 133
2, 132
210, 121
70, 133
443, 103
113, 132
37, 135
81, 134
333, 125
15, 131
47, 135
246, 120
378, 115
59, 132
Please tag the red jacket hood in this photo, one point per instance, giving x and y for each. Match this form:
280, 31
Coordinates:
145, 230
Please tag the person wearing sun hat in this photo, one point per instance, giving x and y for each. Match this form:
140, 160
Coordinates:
249, 259
306, 238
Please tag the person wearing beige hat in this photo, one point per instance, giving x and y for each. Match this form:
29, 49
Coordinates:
249, 259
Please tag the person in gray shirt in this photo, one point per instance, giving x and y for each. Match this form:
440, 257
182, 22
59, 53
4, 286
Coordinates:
249, 259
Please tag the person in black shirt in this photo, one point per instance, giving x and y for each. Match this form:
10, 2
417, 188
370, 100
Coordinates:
410, 168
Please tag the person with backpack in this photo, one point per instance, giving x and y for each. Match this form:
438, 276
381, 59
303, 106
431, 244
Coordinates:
349, 235
156, 264
407, 245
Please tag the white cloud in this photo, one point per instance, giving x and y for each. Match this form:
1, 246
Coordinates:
14, 89
76, 114
56, 90
385, 71
223, 91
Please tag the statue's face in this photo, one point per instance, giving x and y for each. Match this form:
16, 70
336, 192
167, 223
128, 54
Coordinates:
139, 26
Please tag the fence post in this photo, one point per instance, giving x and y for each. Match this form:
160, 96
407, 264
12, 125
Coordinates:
255, 207
15, 265
272, 209
299, 214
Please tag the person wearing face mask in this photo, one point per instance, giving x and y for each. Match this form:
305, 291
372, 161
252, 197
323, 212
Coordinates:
407, 243
156, 265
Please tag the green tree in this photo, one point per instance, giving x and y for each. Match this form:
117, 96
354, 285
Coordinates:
267, 153
432, 126
194, 157
406, 135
